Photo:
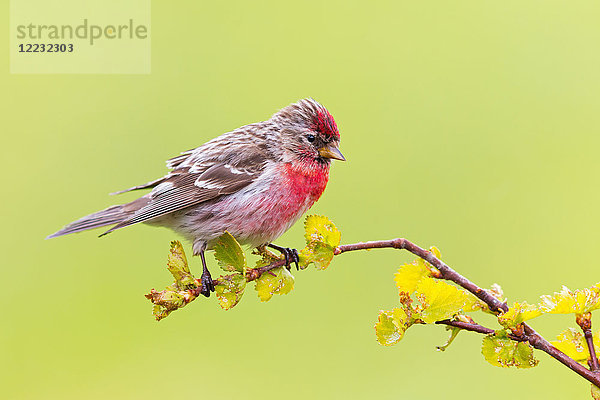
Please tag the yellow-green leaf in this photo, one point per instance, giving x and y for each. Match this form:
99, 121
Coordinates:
229, 254
178, 267
167, 301
276, 281
322, 237
440, 300
519, 313
317, 253
567, 301
179, 293
320, 229
230, 289
572, 342
409, 275
501, 351
160, 312
391, 325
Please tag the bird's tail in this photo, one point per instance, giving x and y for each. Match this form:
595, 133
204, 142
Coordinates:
109, 216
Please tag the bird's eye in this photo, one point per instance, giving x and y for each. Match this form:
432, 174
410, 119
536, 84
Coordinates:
310, 138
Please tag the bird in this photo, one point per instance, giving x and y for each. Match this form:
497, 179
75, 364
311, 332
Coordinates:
254, 182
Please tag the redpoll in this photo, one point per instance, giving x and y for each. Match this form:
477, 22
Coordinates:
254, 182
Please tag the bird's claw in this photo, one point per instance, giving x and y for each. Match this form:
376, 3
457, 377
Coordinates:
295, 258
207, 284
291, 256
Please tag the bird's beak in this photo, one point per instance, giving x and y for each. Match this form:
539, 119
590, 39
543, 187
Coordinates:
331, 151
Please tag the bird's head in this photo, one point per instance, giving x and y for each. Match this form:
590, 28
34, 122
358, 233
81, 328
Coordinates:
309, 132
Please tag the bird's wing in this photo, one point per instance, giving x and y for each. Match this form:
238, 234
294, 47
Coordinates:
205, 179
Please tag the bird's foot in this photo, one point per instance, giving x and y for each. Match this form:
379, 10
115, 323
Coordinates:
290, 255
207, 284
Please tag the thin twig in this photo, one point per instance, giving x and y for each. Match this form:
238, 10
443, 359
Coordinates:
585, 323
475, 327
255, 273
589, 339
471, 327
529, 334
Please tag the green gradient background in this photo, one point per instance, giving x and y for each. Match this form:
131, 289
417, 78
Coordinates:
471, 125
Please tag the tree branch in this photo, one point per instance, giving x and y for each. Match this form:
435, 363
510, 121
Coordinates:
174, 300
529, 334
